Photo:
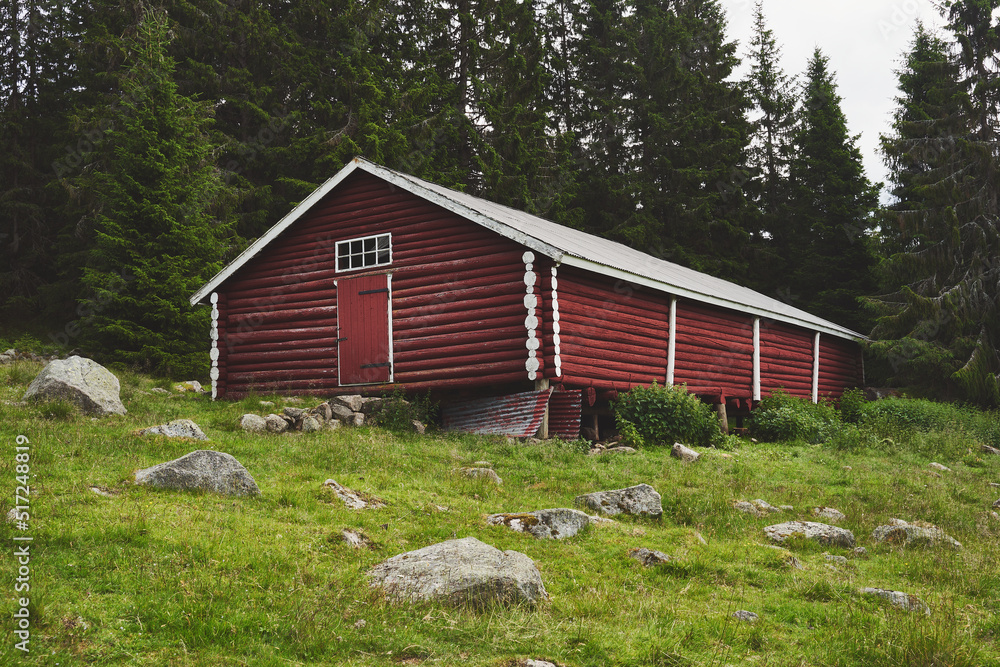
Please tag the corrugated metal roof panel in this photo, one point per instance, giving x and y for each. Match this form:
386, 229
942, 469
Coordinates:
516, 415
564, 414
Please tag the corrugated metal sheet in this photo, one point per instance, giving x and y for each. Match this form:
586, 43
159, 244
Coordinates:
565, 245
516, 415
564, 414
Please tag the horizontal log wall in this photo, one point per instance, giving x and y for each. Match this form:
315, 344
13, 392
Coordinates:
714, 350
839, 366
457, 298
613, 335
786, 359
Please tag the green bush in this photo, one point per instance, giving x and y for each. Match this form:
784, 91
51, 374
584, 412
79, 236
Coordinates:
915, 413
660, 416
852, 405
398, 413
784, 418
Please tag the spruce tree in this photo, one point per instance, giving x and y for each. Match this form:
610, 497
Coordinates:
939, 324
153, 197
831, 211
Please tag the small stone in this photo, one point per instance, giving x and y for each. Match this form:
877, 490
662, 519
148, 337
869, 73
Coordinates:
102, 492
294, 413
357, 419
701, 540
275, 423
482, 473
787, 508
899, 599
332, 425
188, 386
906, 534
360, 624
848, 468
253, 423
992, 451
418, 427
352, 402
640, 500
341, 411
860, 552
322, 412
938, 466
178, 428
684, 453
620, 450
828, 514
159, 390
648, 557
311, 424
267, 403
748, 508
12, 515
537, 663
763, 506
747, 616
354, 500
820, 532
356, 538
556, 524
841, 560
994, 485
997, 503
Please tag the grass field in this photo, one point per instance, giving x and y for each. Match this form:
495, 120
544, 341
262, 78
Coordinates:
161, 578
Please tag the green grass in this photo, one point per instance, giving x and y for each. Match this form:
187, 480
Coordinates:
160, 578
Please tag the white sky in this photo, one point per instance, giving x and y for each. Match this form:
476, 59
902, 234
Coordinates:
864, 40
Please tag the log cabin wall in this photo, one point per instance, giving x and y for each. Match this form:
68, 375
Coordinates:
457, 298
840, 366
713, 351
786, 359
612, 334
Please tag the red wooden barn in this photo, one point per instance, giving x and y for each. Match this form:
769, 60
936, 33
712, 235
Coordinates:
380, 280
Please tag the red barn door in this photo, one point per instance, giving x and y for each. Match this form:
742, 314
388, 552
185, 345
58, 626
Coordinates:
364, 346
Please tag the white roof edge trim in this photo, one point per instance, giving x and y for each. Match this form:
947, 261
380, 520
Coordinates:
275, 230
463, 211
595, 267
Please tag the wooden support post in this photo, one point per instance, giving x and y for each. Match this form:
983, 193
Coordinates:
542, 384
720, 408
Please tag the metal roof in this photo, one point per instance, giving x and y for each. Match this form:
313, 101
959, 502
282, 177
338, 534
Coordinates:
567, 246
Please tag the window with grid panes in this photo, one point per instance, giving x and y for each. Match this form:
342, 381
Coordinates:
364, 253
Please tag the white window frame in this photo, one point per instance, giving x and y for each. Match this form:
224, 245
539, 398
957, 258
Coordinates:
350, 255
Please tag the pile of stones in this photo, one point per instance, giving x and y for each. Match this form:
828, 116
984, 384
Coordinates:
353, 410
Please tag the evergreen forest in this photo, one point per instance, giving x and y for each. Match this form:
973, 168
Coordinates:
143, 146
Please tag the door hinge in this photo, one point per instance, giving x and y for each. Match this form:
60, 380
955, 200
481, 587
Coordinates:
373, 291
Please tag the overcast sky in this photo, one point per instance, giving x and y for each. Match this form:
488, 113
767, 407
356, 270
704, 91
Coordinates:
864, 40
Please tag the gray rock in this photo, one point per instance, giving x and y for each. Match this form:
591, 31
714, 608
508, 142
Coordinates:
323, 411
159, 390
354, 500
295, 414
82, 381
202, 470
640, 500
352, 402
481, 473
819, 532
12, 515
188, 386
537, 663
997, 503
311, 424
178, 428
764, 506
899, 599
829, 514
253, 423
356, 538
992, 451
938, 466
341, 412
746, 616
551, 524
418, 427
648, 557
104, 493
463, 572
276, 423
620, 450
684, 453
906, 534
840, 560
860, 552
748, 508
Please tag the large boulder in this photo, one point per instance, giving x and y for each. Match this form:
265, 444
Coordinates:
914, 534
202, 470
555, 524
178, 428
819, 532
640, 500
83, 381
463, 572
